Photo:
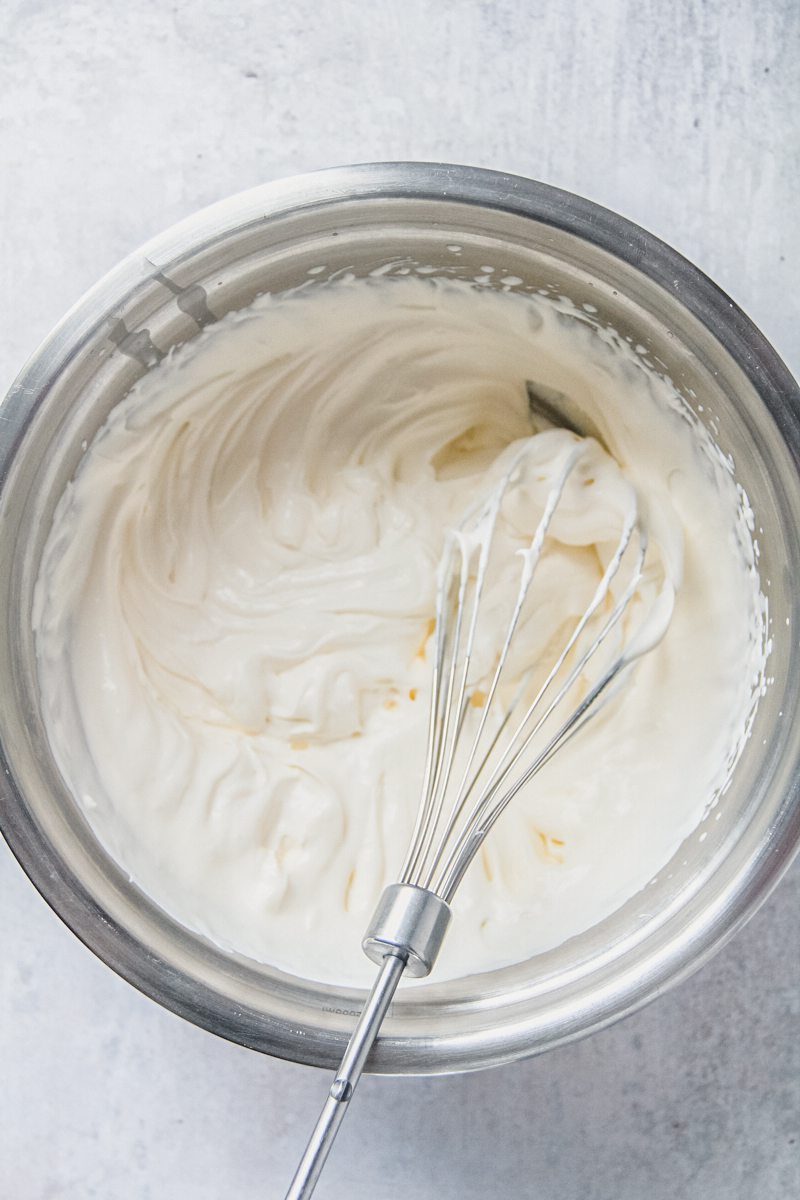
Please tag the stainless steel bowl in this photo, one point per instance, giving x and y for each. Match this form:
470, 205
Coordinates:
356, 219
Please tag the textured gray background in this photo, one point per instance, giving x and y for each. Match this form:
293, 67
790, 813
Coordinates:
117, 119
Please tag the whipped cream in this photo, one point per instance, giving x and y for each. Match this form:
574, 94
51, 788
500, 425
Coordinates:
234, 618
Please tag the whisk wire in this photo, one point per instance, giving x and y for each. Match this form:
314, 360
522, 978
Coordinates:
441, 705
446, 719
520, 741
530, 557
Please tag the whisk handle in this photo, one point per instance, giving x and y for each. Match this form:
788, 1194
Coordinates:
348, 1075
405, 934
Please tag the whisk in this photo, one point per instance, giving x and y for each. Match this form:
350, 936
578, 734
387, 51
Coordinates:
478, 759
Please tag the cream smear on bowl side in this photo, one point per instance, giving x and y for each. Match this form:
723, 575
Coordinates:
233, 619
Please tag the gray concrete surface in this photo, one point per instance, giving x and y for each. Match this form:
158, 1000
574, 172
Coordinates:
117, 119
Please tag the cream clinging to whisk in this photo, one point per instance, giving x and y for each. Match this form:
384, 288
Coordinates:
476, 767
247, 560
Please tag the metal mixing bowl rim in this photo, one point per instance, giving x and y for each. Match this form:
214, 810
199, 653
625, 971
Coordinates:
515, 195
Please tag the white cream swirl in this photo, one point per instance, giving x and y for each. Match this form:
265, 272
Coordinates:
234, 610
